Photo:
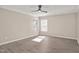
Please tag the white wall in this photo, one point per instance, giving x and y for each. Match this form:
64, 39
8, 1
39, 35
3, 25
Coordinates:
62, 25
78, 28
14, 25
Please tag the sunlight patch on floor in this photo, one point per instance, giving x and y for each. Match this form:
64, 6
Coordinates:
38, 39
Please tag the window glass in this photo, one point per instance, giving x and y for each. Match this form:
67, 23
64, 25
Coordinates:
44, 25
35, 24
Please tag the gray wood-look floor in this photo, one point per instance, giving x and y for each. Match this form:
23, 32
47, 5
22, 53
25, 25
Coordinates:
48, 45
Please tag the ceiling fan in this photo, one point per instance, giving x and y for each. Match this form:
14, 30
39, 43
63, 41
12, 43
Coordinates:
40, 9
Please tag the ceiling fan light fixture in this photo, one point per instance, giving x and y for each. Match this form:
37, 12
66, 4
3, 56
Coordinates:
39, 12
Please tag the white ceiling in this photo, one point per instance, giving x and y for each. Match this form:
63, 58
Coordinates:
52, 9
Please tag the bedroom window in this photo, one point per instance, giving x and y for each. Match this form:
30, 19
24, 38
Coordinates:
35, 24
44, 25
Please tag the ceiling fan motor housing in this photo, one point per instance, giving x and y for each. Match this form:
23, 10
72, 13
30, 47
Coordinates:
39, 7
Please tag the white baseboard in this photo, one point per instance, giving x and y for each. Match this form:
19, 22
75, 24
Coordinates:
61, 36
66, 37
32, 36
16, 40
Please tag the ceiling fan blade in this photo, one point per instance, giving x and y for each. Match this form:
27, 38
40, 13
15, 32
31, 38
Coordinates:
44, 11
35, 11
